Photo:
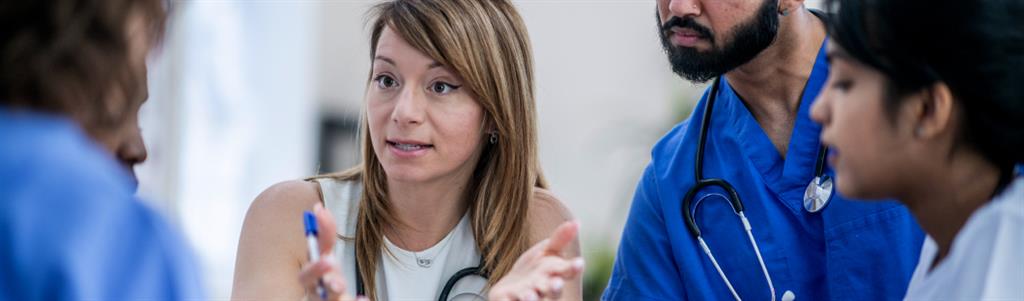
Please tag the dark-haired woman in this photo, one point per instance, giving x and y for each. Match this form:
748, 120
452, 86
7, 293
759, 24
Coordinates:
924, 103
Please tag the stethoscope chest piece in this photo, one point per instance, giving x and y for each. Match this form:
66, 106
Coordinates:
818, 194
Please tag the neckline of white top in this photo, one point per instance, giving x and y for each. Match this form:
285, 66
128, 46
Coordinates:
1011, 193
430, 253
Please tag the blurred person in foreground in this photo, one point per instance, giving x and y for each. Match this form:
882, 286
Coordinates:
935, 123
72, 79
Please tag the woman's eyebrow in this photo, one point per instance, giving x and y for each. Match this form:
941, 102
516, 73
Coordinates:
385, 59
432, 65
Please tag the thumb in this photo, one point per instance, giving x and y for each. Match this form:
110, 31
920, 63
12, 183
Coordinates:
327, 228
563, 237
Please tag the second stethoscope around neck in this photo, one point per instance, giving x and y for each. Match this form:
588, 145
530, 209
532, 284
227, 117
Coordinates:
816, 197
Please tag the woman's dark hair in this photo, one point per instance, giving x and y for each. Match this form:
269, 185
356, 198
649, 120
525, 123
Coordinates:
72, 57
976, 48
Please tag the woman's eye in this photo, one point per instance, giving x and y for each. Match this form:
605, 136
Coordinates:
842, 85
443, 88
385, 82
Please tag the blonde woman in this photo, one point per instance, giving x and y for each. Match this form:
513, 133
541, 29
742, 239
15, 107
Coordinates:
449, 185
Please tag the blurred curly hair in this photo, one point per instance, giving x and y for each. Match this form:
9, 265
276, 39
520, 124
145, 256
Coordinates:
73, 57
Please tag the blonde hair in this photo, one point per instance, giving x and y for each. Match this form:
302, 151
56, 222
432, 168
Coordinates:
486, 43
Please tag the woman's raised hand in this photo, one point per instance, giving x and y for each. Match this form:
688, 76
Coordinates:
542, 271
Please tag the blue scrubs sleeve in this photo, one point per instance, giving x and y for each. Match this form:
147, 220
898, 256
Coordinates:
644, 267
70, 227
86, 242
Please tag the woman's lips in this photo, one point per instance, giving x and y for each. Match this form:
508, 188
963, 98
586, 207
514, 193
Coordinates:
408, 149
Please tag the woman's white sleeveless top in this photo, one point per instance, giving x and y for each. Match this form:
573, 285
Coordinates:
399, 276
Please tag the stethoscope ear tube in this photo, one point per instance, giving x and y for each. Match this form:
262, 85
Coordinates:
691, 224
705, 123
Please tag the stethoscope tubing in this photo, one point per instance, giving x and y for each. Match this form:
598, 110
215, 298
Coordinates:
734, 200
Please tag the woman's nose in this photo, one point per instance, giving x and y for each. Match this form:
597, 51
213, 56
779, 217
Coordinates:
409, 107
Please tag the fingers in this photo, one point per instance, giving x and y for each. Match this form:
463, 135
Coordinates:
549, 288
311, 273
560, 239
334, 286
326, 273
552, 273
546, 279
563, 237
555, 288
556, 266
328, 231
529, 296
541, 273
577, 267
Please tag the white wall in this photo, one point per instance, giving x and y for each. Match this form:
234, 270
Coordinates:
605, 95
231, 112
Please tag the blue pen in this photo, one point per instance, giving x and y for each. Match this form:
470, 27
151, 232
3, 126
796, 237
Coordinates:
313, 247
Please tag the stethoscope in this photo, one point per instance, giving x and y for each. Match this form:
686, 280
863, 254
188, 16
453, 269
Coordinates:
816, 197
448, 286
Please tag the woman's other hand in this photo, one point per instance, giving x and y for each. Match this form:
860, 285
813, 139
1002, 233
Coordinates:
542, 271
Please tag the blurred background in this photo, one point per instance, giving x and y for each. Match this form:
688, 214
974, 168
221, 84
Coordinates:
245, 94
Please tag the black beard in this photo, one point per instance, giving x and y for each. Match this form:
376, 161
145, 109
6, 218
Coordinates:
748, 40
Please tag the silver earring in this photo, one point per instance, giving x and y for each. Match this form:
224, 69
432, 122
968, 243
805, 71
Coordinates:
494, 138
785, 12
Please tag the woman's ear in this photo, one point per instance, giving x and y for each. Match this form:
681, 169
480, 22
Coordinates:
489, 130
934, 112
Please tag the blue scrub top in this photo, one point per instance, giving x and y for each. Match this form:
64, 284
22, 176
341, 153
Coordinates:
70, 227
851, 250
